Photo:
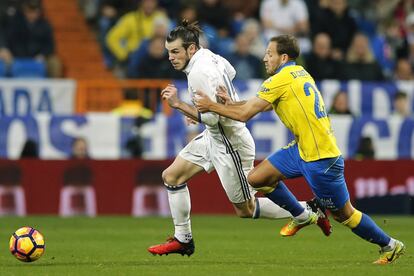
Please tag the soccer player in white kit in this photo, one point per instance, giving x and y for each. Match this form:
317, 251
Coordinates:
225, 145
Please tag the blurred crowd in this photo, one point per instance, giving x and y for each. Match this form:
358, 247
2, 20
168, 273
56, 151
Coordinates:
369, 40
27, 47
340, 39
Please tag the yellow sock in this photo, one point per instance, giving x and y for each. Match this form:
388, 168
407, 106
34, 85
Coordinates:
265, 190
353, 220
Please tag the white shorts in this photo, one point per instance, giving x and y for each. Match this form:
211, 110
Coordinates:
232, 162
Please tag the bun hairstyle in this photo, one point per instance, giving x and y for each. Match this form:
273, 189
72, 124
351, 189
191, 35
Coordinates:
188, 32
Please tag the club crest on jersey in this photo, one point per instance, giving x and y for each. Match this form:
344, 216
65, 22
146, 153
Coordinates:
264, 89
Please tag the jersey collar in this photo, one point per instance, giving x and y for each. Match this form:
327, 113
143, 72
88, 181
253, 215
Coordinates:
190, 64
289, 63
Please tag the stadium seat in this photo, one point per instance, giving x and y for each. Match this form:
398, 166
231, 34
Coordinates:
2, 69
28, 68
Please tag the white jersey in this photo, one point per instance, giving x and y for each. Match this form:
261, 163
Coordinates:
207, 71
226, 145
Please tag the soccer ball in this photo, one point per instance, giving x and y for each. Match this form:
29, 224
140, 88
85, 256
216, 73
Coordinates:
27, 244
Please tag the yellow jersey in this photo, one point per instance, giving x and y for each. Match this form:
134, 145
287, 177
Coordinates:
131, 29
299, 105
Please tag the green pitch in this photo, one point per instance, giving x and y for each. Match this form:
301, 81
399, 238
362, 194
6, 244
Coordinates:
225, 245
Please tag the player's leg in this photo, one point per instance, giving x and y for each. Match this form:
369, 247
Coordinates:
363, 226
175, 178
267, 177
191, 160
232, 167
327, 181
262, 207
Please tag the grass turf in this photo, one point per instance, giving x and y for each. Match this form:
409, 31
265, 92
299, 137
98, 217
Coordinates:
225, 245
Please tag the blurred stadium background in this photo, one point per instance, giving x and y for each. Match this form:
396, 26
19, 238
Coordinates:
83, 130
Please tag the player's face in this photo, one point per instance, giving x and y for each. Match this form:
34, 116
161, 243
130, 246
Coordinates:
178, 55
272, 60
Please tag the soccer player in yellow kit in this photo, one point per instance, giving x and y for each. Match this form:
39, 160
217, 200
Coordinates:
314, 154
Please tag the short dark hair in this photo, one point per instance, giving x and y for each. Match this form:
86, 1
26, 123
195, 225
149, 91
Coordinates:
188, 32
287, 44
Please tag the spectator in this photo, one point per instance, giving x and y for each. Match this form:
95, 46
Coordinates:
403, 70
360, 62
389, 45
79, 148
30, 149
189, 12
240, 11
286, 17
247, 65
319, 63
316, 8
409, 38
109, 14
29, 35
132, 29
401, 10
8, 10
157, 56
161, 26
401, 104
365, 149
215, 14
251, 29
133, 107
337, 22
340, 104
90, 9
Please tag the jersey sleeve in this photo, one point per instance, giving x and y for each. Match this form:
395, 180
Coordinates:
206, 82
272, 88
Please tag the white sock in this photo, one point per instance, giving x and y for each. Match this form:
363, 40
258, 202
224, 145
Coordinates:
391, 244
303, 216
265, 208
180, 206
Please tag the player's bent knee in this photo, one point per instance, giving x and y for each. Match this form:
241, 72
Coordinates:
253, 181
169, 178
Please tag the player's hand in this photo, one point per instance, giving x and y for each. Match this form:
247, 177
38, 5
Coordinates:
223, 96
202, 102
189, 121
169, 94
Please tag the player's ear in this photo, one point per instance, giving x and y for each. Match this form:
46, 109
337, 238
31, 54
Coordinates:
192, 49
285, 58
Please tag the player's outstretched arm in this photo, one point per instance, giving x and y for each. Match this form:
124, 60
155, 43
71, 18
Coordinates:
240, 111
